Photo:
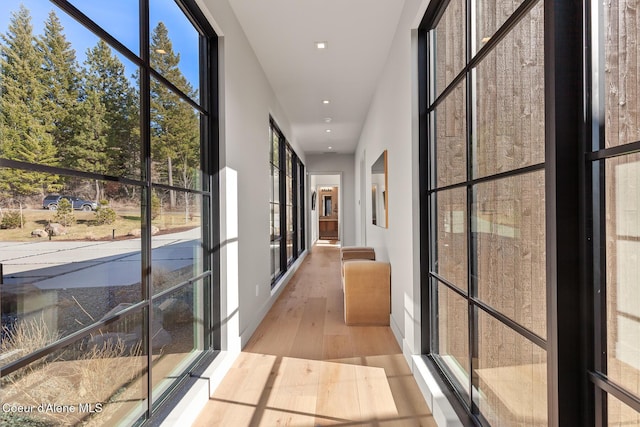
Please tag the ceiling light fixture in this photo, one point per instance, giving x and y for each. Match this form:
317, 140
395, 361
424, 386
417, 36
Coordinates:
327, 120
325, 101
330, 148
321, 45
328, 131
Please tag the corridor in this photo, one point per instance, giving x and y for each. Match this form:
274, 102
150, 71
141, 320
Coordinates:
305, 367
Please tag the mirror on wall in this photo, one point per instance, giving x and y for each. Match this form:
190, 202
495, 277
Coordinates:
327, 209
379, 194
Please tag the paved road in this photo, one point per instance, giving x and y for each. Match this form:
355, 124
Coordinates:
81, 264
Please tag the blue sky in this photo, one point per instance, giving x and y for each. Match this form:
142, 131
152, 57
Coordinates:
120, 19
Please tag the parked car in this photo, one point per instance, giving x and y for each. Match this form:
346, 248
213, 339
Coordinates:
51, 202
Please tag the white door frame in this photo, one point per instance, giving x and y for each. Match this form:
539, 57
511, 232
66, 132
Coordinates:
315, 231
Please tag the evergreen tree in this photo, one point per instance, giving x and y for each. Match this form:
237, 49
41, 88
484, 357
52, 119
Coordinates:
89, 142
61, 79
105, 77
175, 126
25, 135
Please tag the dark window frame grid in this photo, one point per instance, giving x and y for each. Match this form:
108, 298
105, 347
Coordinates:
563, 173
208, 109
595, 157
297, 207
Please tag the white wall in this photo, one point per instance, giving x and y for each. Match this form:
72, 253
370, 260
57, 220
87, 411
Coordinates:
389, 127
342, 164
246, 102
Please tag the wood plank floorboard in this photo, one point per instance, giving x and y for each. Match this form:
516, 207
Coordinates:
304, 367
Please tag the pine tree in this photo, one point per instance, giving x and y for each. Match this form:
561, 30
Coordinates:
61, 78
105, 77
175, 126
25, 135
89, 142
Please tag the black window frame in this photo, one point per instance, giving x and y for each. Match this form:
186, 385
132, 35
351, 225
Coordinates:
302, 245
208, 108
595, 200
297, 202
571, 255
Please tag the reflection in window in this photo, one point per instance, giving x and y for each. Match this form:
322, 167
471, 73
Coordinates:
453, 335
102, 376
70, 266
619, 74
620, 414
451, 138
623, 273
177, 244
508, 222
510, 100
451, 263
176, 330
490, 15
449, 45
511, 376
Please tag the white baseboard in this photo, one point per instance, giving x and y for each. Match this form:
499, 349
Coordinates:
395, 329
275, 293
442, 411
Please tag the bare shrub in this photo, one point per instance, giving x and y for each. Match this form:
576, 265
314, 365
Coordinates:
92, 371
101, 367
26, 336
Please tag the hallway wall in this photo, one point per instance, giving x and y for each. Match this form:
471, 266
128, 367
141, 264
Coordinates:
246, 101
389, 126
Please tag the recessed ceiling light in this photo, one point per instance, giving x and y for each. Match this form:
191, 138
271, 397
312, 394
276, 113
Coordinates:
325, 101
321, 45
330, 148
327, 119
328, 131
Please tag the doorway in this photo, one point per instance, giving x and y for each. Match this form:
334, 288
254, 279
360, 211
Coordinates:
326, 212
328, 215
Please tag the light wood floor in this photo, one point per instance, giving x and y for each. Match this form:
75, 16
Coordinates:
305, 367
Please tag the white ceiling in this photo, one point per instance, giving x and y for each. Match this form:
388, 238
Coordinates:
359, 34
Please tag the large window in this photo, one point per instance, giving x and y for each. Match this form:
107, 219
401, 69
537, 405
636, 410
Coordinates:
530, 200
614, 164
108, 207
301, 210
286, 203
484, 204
